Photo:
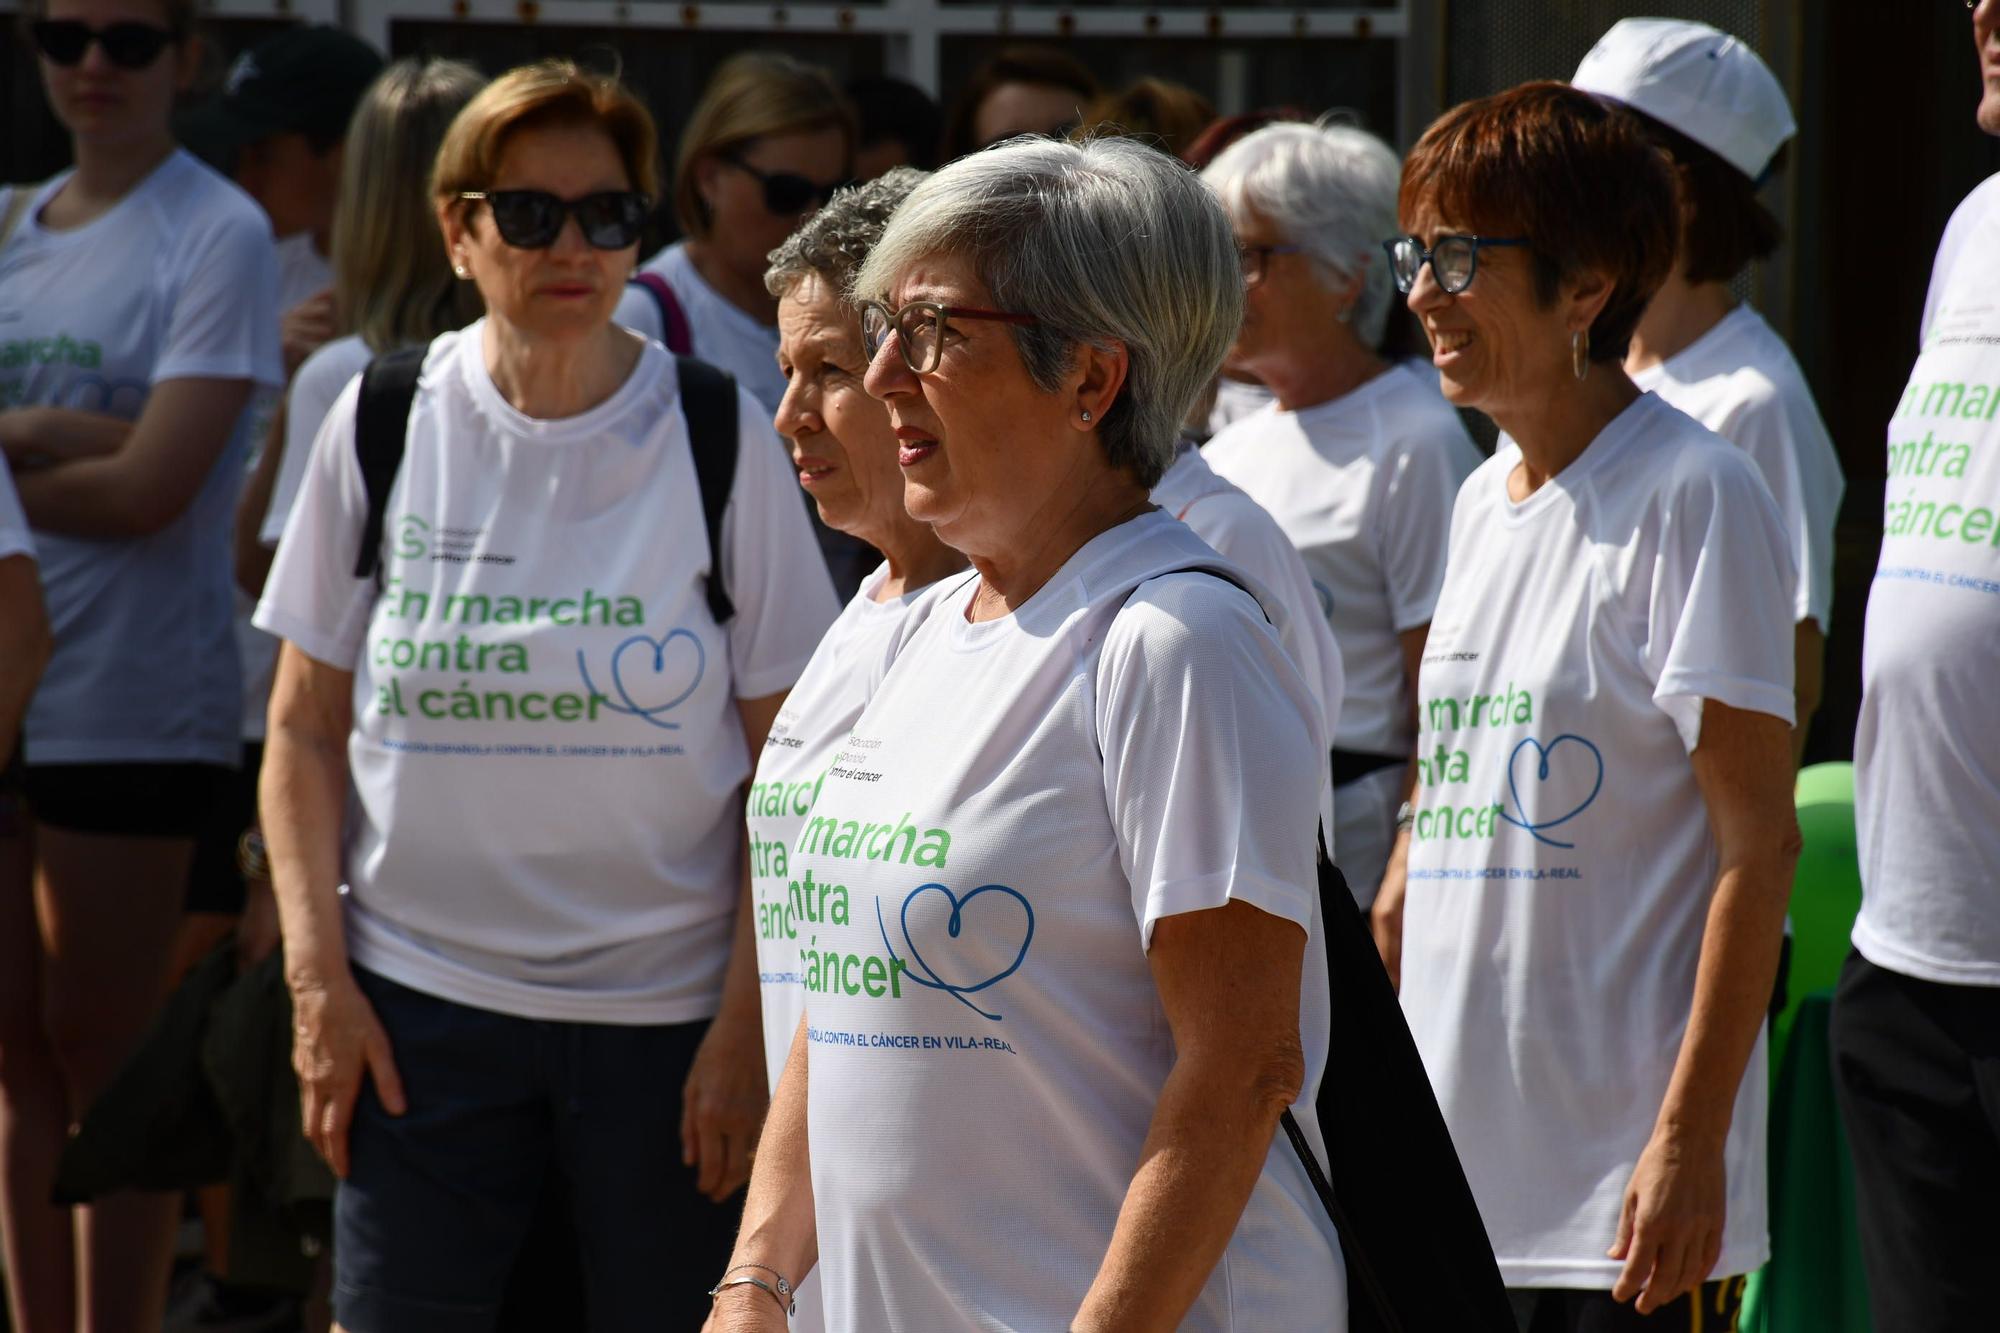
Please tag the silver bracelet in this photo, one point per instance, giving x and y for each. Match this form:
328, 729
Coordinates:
782, 1293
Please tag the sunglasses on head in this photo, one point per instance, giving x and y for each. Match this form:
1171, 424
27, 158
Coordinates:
785, 193
126, 45
532, 219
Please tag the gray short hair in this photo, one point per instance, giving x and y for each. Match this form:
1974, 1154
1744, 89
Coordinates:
1331, 190
1104, 241
833, 242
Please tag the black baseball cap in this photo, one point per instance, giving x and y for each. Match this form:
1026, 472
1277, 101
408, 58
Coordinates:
306, 80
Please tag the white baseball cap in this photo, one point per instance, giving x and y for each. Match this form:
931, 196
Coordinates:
1697, 80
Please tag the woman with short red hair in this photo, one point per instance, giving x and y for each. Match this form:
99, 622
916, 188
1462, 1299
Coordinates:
1603, 838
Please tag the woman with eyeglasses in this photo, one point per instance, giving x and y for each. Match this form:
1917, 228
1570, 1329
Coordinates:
1358, 459
537, 966
138, 293
1057, 928
1603, 837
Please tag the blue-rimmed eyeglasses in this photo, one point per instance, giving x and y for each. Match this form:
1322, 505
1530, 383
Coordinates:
1453, 259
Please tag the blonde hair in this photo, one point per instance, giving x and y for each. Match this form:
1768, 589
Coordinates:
392, 281
546, 93
752, 96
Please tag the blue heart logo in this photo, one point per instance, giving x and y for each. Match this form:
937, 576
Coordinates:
653, 673
1567, 785
965, 948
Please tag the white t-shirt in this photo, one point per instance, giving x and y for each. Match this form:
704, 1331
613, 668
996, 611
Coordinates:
302, 272
1363, 486
723, 335
315, 387
546, 752
978, 884
1927, 749
1741, 381
14, 538
177, 280
1235, 400
1239, 529
1562, 864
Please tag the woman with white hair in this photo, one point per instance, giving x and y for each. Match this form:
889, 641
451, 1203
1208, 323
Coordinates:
1358, 460
1059, 937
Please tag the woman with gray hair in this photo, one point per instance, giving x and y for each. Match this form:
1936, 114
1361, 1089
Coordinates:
1358, 460
845, 452
1057, 931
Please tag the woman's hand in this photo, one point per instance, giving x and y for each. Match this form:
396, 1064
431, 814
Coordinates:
336, 1038
745, 1309
1385, 916
1670, 1229
723, 1105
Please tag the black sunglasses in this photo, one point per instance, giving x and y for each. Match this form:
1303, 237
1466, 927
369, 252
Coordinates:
532, 219
126, 45
786, 194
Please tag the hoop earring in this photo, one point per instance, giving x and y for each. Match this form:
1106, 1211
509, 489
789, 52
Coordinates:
1579, 353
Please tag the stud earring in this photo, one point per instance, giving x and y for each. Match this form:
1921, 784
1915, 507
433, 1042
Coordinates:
1086, 418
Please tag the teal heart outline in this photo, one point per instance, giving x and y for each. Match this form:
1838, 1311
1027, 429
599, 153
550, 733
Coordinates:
1544, 751
956, 923
632, 707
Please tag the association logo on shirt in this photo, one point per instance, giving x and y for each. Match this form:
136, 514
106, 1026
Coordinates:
1545, 787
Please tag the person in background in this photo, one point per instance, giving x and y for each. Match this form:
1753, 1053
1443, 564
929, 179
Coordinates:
1603, 839
539, 966
1170, 116
769, 141
1023, 90
845, 450
1054, 1016
1916, 1063
1719, 114
900, 125
154, 281
1358, 459
277, 129
393, 282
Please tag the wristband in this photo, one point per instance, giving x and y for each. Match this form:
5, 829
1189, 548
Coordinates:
782, 1293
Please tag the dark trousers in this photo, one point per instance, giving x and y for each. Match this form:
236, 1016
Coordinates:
445, 1207
1711, 1308
1916, 1067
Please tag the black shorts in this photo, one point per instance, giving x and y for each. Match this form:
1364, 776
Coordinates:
140, 800
439, 1203
215, 881
1712, 1307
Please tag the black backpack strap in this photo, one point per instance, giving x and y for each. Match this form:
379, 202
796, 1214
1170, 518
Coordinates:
381, 424
708, 401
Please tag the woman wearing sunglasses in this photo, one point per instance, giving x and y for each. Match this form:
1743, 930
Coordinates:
1358, 460
1057, 929
1603, 836
138, 294
769, 142
538, 965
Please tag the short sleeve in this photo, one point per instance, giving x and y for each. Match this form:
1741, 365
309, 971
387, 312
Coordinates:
1782, 437
1719, 622
14, 538
312, 598
1418, 479
312, 394
771, 564
224, 318
1213, 754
